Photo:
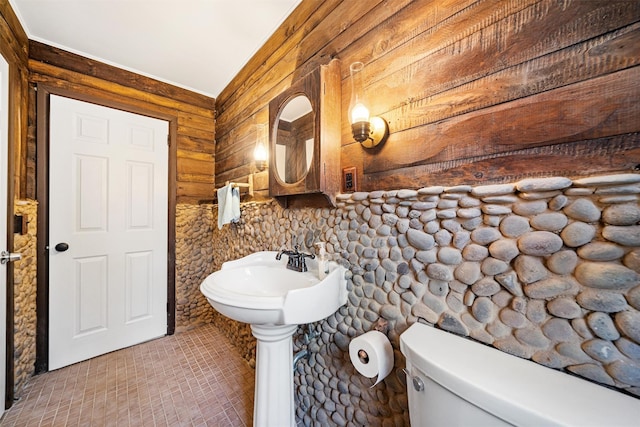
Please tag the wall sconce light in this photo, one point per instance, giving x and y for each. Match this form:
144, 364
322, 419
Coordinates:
368, 131
260, 153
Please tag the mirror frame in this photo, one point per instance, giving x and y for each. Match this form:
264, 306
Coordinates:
276, 124
322, 88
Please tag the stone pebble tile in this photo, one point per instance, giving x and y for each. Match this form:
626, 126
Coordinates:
25, 283
542, 269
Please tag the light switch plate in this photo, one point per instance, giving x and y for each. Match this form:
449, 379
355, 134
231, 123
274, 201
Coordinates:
349, 180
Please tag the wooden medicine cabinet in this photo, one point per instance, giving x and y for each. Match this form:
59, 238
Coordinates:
304, 140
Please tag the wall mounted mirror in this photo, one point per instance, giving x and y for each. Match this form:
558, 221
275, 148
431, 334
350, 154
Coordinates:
304, 139
294, 140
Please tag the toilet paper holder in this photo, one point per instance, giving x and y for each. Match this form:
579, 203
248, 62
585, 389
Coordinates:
381, 325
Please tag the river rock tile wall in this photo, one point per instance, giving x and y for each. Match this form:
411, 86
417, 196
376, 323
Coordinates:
546, 269
25, 284
194, 261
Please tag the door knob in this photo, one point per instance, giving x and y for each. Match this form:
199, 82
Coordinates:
61, 247
7, 257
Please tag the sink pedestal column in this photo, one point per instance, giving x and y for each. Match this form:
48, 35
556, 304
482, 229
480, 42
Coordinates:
273, 401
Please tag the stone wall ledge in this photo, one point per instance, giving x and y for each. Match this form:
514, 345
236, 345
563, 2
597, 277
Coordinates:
530, 188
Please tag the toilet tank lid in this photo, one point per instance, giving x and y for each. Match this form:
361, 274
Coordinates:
517, 390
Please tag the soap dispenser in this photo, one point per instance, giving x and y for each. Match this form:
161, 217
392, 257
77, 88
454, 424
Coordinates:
323, 263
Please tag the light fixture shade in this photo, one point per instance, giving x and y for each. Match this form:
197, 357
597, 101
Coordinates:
358, 111
368, 131
260, 153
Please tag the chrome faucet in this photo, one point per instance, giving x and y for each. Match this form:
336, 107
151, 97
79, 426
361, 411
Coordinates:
296, 259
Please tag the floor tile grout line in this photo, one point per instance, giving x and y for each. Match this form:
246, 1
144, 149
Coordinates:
167, 381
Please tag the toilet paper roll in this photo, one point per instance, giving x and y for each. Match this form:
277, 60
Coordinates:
372, 354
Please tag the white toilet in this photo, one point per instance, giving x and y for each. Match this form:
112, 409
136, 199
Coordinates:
453, 381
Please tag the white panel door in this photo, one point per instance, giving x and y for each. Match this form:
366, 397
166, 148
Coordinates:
108, 228
4, 179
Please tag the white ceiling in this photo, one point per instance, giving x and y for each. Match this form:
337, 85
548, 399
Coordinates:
195, 44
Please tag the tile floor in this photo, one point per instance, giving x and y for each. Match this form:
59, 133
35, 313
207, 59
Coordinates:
193, 378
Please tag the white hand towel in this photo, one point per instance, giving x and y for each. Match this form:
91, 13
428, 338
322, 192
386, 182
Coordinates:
228, 205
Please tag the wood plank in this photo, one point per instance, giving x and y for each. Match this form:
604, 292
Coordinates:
239, 139
548, 70
187, 154
261, 180
29, 155
603, 55
243, 180
195, 167
51, 55
194, 144
242, 157
491, 35
15, 43
197, 133
195, 121
242, 135
41, 72
608, 107
194, 190
261, 195
105, 92
18, 128
14, 49
187, 200
418, 30
10, 48
190, 177
237, 143
575, 159
234, 174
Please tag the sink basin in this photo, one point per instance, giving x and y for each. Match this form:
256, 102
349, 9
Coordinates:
258, 289
267, 258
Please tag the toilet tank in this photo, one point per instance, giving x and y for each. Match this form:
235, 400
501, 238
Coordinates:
453, 381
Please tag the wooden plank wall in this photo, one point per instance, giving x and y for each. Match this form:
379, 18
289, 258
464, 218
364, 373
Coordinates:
14, 48
475, 91
194, 112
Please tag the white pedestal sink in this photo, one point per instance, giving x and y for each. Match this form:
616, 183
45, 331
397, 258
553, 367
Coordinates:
261, 291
